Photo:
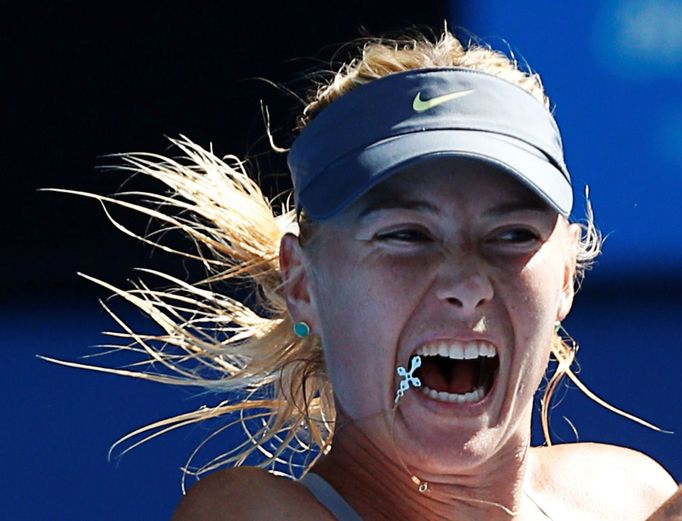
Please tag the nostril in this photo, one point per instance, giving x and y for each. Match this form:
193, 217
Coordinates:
454, 301
458, 303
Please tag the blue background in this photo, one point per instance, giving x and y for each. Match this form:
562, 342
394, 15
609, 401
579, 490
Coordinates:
620, 109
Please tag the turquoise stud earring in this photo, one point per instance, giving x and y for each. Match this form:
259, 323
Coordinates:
301, 329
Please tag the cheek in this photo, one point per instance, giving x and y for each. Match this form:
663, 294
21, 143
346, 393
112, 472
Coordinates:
363, 305
366, 294
542, 281
356, 338
533, 311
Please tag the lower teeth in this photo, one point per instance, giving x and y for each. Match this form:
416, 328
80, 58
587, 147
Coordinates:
471, 397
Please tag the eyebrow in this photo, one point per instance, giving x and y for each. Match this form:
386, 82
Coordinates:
534, 205
397, 202
400, 202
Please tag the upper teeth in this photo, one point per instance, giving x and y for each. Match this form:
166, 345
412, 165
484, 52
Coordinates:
458, 350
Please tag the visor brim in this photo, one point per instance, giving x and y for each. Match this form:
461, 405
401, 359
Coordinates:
347, 179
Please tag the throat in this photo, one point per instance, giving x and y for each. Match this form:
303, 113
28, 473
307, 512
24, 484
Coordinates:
456, 376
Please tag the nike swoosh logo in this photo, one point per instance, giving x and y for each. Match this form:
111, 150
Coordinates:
420, 105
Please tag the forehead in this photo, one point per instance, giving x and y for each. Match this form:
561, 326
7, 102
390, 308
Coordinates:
440, 185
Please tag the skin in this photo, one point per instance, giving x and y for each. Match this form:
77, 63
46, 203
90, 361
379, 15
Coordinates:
449, 251
671, 510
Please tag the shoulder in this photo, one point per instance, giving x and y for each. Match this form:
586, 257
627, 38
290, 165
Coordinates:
245, 494
614, 482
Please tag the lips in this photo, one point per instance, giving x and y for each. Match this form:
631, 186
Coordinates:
457, 372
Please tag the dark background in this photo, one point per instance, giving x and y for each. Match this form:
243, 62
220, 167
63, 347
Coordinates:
82, 80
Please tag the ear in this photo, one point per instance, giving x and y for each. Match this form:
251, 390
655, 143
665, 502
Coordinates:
568, 291
297, 281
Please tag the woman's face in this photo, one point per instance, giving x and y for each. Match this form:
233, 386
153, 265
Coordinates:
447, 261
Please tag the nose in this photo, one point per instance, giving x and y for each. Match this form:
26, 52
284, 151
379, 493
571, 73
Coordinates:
465, 286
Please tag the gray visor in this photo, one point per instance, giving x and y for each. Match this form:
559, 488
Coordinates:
395, 122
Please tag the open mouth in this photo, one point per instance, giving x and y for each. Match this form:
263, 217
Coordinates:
457, 372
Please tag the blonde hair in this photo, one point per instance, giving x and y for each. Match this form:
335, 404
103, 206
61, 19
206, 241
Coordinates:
213, 341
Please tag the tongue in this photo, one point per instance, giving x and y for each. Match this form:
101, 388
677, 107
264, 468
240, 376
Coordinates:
461, 378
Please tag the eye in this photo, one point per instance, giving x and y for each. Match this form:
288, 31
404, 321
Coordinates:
520, 236
405, 235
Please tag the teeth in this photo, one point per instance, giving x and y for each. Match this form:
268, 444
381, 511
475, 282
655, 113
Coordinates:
459, 350
471, 397
456, 352
471, 351
487, 350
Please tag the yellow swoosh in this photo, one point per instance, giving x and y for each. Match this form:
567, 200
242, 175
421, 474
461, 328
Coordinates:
420, 105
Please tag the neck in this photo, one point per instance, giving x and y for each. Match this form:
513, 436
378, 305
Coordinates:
378, 486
